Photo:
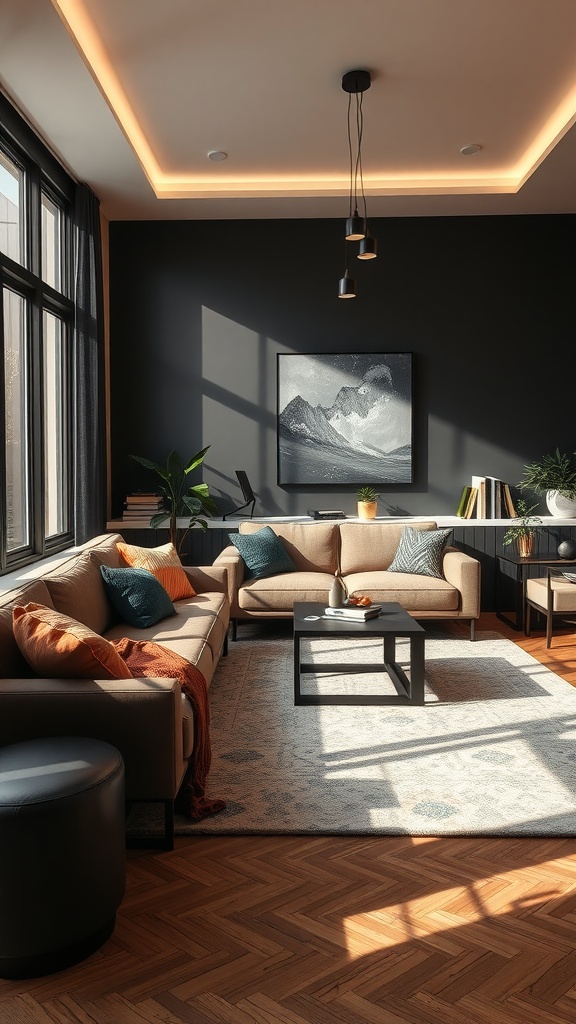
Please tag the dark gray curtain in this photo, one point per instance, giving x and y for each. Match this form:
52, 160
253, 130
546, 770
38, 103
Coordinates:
88, 371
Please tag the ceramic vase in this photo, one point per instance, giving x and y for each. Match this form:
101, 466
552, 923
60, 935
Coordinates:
337, 594
525, 545
560, 507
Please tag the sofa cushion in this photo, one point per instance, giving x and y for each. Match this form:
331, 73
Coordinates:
278, 593
313, 547
371, 545
138, 597
164, 562
414, 593
263, 553
56, 645
196, 631
14, 664
79, 593
420, 553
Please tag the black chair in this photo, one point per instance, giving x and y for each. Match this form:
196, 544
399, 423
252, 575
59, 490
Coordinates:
553, 596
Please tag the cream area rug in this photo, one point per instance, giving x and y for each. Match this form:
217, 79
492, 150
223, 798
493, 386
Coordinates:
492, 752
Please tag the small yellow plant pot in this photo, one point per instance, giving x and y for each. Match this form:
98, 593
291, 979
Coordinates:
367, 509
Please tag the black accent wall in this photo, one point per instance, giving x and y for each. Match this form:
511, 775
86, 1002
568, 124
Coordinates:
199, 311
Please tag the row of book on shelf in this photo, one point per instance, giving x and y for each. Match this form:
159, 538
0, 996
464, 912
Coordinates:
486, 497
141, 505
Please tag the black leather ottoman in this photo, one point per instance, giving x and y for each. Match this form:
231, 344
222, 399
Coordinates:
62, 852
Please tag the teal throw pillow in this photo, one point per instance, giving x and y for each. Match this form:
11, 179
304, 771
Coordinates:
420, 552
263, 553
136, 594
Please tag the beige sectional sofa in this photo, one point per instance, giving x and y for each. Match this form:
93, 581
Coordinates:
361, 552
148, 720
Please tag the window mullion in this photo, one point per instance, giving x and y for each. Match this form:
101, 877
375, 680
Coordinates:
33, 222
3, 508
36, 423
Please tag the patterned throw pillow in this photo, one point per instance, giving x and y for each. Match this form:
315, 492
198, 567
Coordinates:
163, 562
263, 553
56, 646
420, 552
138, 597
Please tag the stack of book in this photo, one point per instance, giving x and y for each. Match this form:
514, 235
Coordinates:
467, 503
486, 498
354, 611
141, 505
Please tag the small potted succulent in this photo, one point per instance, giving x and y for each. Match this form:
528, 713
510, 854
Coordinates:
367, 502
523, 529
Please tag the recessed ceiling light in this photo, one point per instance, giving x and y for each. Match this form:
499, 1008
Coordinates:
217, 155
470, 150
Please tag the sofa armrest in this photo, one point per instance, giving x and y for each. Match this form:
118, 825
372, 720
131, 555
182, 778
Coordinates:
231, 559
463, 572
208, 578
142, 718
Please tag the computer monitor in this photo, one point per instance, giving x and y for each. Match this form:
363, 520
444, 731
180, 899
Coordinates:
247, 493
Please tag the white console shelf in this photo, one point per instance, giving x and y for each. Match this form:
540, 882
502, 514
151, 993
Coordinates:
119, 525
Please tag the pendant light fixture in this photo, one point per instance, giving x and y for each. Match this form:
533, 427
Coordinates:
346, 287
355, 83
368, 247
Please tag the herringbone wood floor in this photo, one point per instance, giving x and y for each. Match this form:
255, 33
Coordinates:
327, 930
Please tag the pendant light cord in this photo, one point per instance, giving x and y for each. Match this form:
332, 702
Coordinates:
350, 155
356, 170
359, 131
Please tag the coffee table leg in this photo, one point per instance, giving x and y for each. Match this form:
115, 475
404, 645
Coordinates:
417, 669
412, 687
297, 670
389, 649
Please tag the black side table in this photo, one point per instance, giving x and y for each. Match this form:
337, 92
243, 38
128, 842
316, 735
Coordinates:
520, 566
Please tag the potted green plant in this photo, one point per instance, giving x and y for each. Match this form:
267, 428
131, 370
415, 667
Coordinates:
367, 502
555, 477
180, 498
524, 529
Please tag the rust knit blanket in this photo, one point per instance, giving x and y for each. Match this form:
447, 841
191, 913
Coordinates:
145, 658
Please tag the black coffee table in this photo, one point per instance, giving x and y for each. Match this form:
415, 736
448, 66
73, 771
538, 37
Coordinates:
393, 621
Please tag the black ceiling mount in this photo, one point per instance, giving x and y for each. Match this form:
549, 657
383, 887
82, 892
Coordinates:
356, 81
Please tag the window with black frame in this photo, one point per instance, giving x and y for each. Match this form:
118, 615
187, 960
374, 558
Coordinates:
36, 322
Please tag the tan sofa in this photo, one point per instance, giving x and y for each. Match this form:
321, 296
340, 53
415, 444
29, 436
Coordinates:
362, 553
148, 720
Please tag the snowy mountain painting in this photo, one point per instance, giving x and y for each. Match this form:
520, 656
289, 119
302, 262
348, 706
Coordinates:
345, 419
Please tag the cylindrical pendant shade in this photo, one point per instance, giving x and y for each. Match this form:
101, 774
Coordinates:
355, 228
346, 287
368, 248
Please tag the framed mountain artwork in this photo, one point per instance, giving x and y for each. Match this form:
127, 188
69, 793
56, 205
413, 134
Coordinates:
345, 418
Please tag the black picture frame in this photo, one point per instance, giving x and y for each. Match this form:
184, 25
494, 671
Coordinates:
345, 418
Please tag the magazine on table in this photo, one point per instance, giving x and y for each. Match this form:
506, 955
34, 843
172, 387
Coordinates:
354, 611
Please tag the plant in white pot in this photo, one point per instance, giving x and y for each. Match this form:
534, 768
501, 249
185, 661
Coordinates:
555, 477
367, 502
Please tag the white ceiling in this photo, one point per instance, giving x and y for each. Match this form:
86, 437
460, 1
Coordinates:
133, 94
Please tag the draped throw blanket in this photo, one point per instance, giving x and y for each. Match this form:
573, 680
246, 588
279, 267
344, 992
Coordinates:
145, 658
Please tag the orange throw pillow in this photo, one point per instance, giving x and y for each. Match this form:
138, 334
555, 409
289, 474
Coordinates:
55, 645
163, 562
